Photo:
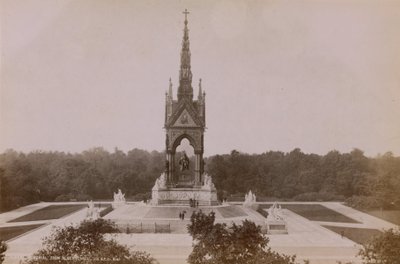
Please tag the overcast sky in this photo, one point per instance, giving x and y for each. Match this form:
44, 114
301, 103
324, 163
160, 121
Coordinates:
317, 75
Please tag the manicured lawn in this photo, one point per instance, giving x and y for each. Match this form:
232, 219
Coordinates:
105, 210
392, 216
50, 212
315, 212
7, 233
261, 211
358, 235
231, 211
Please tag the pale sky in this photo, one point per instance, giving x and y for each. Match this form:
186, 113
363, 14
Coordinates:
317, 75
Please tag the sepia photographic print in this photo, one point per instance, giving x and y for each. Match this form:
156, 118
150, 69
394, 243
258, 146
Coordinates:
200, 132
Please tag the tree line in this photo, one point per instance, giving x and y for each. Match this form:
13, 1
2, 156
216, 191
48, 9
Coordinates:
92, 174
362, 181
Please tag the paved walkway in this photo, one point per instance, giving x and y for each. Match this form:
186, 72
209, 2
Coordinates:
307, 239
368, 221
136, 214
40, 222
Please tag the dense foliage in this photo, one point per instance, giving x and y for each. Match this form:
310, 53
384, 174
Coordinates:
3, 249
383, 249
92, 174
85, 244
310, 177
96, 174
237, 244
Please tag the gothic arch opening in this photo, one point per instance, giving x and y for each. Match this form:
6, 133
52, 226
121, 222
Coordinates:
178, 142
184, 163
185, 146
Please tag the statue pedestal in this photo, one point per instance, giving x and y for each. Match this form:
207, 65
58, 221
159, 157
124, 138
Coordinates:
275, 222
186, 180
166, 194
276, 227
182, 196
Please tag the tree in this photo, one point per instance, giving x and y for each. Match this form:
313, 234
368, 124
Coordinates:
96, 173
86, 244
238, 244
383, 249
3, 249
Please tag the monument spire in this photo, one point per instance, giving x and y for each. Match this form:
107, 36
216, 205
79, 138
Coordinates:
185, 89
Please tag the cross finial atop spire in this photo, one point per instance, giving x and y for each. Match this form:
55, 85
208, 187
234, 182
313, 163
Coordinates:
186, 13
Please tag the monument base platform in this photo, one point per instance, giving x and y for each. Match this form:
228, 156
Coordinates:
182, 196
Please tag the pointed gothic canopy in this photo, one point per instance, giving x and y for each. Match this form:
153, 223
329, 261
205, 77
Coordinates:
185, 89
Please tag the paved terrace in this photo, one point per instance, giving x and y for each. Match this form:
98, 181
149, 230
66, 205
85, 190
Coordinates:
307, 239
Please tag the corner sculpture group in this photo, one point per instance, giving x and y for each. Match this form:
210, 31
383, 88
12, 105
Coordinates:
275, 221
119, 199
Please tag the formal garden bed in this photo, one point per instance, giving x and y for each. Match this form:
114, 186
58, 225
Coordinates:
315, 212
106, 210
50, 212
358, 235
7, 233
231, 211
261, 211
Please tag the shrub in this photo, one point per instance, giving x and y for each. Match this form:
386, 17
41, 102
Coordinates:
383, 249
3, 249
237, 244
141, 196
363, 202
63, 198
236, 197
100, 226
72, 197
82, 197
318, 196
86, 244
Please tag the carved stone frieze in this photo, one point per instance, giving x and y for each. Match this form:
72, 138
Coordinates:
161, 196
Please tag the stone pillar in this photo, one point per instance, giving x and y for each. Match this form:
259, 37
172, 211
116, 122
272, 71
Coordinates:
201, 170
172, 169
168, 172
170, 175
197, 169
